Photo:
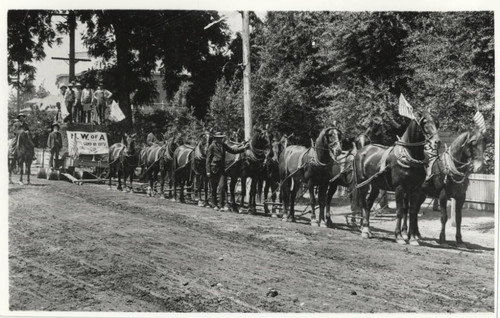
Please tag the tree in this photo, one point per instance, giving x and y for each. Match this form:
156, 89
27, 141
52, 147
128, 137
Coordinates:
132, 42
27, 33
226, 106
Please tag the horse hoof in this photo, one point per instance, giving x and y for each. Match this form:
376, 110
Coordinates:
200, 204
414, 242
21, 183
329, 223
172, 200
461, 245
109, 188
323, 224
443, 243
401, 241
366, 233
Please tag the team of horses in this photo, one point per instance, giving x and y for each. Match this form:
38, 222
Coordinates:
331, 161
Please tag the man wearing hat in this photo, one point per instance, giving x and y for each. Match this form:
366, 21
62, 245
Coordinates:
151, 139
78, 109
101, 95
55, 144
20, 126
69, 100
215, 166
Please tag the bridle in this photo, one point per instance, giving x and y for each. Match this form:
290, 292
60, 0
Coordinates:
404, 157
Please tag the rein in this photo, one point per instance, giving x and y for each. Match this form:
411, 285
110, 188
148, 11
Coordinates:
452, 170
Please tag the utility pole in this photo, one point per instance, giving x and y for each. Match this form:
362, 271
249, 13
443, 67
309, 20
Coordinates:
72, 26
247, 102
71, 19
18, 88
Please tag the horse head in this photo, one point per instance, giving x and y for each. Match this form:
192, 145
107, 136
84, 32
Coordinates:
204, 143
129, 141
471, 145
261, 142
330, 139
428, 129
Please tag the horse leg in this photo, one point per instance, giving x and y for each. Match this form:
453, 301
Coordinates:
243, 190
285, 195
420, 201
365, 230
132, 172
182, 181
458, 219
312, 202
125, 176
21, 171
414, 198
362, 192
110, 174
253, 195
400, 208
151, 178
324, 213
205, 181
293, 195
404, 228
265, 194
332, 188
28, 171
119, 188
444, 217
260, 186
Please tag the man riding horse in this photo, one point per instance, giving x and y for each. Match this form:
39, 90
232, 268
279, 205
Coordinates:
20, 126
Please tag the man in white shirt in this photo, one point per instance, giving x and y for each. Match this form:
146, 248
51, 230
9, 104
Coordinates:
87, 98
101, 95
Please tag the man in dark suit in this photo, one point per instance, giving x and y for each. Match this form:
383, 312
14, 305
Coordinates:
215, 165
55, 144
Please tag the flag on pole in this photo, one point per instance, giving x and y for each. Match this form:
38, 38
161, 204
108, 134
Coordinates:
116, 113
479, 120
405, 108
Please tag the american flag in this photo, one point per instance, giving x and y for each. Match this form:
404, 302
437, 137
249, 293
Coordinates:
479, 120
405, 108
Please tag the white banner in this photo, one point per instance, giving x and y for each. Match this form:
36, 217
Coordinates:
87, 143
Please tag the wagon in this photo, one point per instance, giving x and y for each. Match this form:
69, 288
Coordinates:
84, 154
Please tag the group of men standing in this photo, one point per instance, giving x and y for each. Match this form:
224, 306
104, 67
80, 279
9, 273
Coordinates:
85, 105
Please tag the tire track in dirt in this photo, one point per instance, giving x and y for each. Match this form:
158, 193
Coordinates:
184, 243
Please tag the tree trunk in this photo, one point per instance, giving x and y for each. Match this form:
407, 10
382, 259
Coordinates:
122, 33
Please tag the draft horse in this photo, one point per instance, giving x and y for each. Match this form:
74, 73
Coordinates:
249, 164
198, 167
342, 172
123, 160
183, 174
313, 165
156, 159
272, 173
400, 168
450, 178
22, 156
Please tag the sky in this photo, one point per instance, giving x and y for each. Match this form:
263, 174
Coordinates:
48, 68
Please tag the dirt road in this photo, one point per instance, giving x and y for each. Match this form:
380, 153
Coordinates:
86, 248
